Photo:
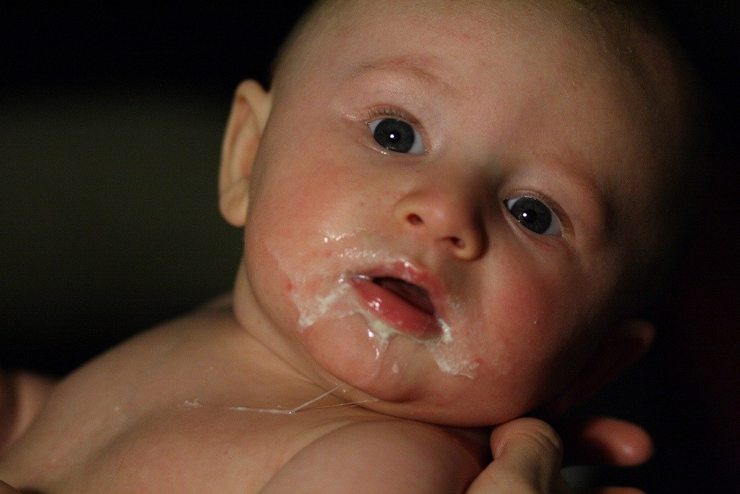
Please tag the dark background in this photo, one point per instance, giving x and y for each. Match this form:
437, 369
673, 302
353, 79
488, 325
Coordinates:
111, 116
110, 123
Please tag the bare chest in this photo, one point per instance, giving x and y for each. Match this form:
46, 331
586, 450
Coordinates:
168, 411
191, 447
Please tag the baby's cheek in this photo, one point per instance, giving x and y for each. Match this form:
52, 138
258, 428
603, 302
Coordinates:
529, 325
527, 312
268, 280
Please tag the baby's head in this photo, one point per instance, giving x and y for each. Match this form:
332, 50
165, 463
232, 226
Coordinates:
448, 203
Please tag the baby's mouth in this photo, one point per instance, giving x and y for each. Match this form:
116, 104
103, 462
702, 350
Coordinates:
406, 306
412, 294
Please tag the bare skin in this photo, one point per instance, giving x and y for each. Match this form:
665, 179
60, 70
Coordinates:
197, 404
189, 399
192, 408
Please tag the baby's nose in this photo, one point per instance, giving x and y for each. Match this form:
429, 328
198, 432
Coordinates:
445, 218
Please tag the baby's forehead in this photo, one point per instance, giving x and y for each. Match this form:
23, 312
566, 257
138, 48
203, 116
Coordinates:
618, 53
613, 50
621, 35
579, 38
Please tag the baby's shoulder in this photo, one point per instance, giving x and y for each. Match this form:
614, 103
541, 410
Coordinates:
383, 455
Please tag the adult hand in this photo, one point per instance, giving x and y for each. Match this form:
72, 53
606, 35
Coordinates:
605, 440
528, 453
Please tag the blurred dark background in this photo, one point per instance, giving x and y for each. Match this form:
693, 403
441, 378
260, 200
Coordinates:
111, 116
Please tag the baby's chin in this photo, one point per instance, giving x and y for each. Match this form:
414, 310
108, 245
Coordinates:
402, 379
345, 349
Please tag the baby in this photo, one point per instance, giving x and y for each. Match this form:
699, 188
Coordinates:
448, 209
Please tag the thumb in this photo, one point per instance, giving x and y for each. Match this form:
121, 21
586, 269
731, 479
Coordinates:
527, 454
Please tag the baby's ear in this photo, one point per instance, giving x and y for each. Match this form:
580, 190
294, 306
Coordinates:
620, 349
249, 112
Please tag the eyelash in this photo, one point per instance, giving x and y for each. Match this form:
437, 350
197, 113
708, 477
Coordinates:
394, 112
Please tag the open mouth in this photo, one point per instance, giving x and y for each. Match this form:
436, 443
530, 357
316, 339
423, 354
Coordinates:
404, 305
412, 294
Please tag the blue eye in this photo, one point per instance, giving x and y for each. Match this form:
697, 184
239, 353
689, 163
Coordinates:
534, 215
396, 135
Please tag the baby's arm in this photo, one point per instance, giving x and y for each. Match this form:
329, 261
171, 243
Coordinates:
390, 456
22, 395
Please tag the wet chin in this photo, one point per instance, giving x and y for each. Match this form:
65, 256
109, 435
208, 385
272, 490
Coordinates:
346, 349
404, 377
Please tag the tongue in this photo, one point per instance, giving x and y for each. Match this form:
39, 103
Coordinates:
413, 294
406, 307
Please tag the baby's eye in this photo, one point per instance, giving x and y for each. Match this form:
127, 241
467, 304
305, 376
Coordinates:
396, 135
534, 215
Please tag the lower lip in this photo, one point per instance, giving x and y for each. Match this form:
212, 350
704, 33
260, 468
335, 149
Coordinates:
397, 312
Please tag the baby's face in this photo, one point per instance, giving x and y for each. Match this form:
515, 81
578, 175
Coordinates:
442, 205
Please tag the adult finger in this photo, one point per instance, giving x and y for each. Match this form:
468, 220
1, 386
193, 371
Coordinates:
606, 440
527, 454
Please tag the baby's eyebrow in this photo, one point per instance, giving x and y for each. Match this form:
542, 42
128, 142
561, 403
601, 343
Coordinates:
596, 205
417, 66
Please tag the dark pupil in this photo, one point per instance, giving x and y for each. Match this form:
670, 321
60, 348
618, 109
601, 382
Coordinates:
532, 214
394, 135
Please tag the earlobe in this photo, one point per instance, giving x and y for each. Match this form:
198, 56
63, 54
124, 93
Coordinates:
249, 113
620, 349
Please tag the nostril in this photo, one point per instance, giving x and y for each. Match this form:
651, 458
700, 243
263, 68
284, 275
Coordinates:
414, 219
458, 242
